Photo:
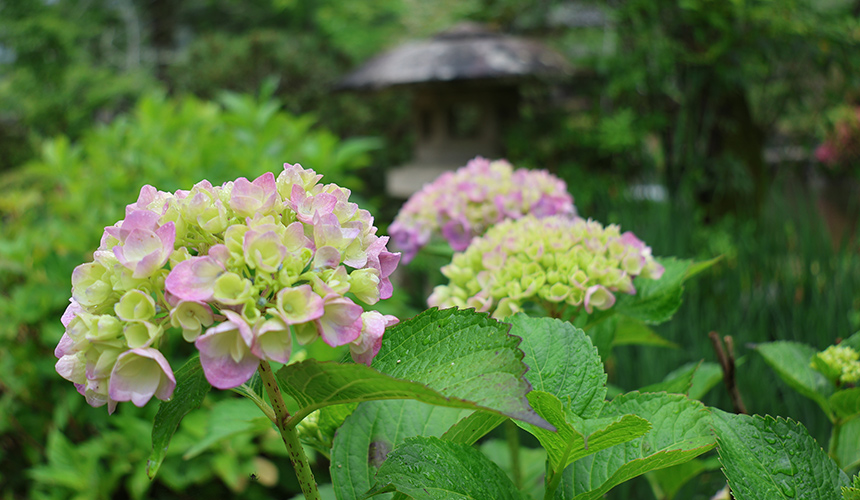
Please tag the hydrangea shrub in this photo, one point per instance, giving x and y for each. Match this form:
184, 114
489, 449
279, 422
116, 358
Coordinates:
464, 203
556, 261
236, 269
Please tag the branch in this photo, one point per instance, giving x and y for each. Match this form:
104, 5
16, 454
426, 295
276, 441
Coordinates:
726, 357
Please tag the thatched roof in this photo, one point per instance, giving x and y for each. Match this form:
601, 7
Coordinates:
466, 52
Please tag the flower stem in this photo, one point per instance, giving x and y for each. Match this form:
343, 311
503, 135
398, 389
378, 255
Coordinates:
834, 441
513, 438
553, 477
289, 434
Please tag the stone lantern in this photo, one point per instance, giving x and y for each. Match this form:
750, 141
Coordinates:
464, 84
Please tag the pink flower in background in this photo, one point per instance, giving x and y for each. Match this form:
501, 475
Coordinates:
841, 147
463, 204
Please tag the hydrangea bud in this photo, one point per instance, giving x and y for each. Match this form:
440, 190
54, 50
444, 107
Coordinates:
237, 269
557, 262
462, 204
841, 364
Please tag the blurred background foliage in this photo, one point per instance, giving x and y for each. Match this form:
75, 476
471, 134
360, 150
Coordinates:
690, 122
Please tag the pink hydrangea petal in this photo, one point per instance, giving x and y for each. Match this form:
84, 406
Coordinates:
313, 305
654, 270
307, 206
139, 374
219, 254
458, 234
327, 230
630, 239
71, 368
597, 296
194, 279
137, 245
340, 324
407, 240
138, 219
365, 348
295, 239
145, 251
248, 198
245, 195
147, 195
388, 263
217, 347
273, 341
385, 262
268, 184
71, 311
326, 258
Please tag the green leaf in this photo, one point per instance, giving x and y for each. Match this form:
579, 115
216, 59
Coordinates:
846, 403
852, 492
671, 479
428, 468
373, 430
600, 328
680, 432
313, 385
332, 417
692, 379
577, 438
656, 301
697, 267
460, 354
707, 376
629, 331
318, 432
532, 464
474, 427
613, 391
191, 388
562, 362
847, 448
228, 418
852, 341
766, 457
678, 382
790, 360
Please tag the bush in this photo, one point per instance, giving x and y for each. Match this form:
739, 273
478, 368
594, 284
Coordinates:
53, 211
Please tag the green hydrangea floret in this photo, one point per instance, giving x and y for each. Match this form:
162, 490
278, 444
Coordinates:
556, 262
841, 364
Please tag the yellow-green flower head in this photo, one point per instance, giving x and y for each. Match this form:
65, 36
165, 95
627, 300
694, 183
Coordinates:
555, 261
236, 269
463, 204
838, 363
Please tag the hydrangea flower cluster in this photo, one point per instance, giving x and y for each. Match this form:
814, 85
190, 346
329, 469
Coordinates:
838, 363
464, 203
238, 269
555, 261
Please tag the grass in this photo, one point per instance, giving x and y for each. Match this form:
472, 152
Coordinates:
780, 279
